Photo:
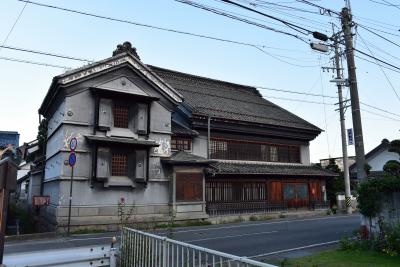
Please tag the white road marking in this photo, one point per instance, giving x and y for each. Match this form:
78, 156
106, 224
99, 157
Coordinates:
228, 236
294, 249
257, 224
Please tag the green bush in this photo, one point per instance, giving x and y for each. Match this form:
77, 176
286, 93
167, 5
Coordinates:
387, 242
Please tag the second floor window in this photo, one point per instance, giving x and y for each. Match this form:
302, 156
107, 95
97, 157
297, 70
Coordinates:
181, 144
121, 116
253, 151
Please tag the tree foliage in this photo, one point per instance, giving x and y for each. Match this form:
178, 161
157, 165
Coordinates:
42, 135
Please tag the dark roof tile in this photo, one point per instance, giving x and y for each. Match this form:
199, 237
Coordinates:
230, 101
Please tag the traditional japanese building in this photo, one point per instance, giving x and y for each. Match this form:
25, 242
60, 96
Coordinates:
170, 143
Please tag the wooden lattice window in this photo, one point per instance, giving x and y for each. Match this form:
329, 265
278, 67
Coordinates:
121, 116
119, 164
180, 143
253, 151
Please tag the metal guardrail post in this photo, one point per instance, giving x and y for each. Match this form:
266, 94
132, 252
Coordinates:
113, 257
164, 252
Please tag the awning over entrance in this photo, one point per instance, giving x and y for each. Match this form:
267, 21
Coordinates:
254, 168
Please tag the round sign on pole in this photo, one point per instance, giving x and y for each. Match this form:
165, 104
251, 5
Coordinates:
73, 143
72, 159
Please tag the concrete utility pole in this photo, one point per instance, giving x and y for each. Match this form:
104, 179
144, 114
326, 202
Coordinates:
342, 127
347, 23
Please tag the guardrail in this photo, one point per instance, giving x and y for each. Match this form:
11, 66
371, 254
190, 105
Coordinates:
99, 256
148, 250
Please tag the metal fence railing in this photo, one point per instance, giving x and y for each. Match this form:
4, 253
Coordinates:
99, 256
141, 249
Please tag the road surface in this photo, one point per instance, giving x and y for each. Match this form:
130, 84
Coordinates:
259, 239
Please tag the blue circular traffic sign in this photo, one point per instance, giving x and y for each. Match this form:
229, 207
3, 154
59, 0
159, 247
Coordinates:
72, 159
73, 143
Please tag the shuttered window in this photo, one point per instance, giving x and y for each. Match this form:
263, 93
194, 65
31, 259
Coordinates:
189, 187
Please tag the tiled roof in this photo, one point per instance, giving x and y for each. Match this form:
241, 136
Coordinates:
237, 167
180, 130
230, 101
181, 157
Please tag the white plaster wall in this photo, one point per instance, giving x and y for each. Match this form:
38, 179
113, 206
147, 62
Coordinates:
200, 146
160, 118
79, 108
305, 154
153, 193
56, 119
54, 167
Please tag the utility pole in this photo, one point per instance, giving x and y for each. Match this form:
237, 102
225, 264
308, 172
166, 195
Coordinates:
342, 127
347, 23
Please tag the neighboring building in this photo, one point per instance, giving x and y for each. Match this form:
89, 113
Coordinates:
142, 135
376, 158
338, 161
8, 138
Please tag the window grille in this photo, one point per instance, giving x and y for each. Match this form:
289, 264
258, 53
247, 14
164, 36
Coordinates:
121, 116
180, 143
119, 164
253, 151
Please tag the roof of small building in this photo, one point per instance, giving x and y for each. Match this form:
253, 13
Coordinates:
185, 158
220, 99
270, 168
384, 145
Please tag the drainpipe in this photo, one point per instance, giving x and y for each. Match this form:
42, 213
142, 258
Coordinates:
208, 136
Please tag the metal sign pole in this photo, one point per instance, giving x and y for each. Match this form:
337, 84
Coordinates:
71, 161
70, 199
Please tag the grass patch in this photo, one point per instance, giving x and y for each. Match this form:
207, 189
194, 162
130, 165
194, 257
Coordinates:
254, 218
338, 258
183, 224
87, 231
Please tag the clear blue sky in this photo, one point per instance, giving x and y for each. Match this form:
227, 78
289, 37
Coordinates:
23, 86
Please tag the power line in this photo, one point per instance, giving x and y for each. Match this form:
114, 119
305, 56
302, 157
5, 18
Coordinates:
146, 25
380, 115
218, 12
15, 23
323, 9
370, 61
293, 92
384, 73
377, 34
35, 63
377, 59
44, 53
380, 109
290, 25
256, 86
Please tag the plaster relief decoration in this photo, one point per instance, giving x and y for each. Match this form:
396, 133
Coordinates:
69, 135
164, 147
112, 63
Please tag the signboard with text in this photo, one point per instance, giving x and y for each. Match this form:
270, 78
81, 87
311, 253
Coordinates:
350, 138
41, 200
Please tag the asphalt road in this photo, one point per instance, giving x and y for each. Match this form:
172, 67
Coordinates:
260, 239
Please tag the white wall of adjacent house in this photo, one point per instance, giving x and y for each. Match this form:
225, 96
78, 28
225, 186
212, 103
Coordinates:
379, 160
305, 154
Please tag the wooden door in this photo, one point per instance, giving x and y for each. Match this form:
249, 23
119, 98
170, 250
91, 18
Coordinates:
275, 191
315, 191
